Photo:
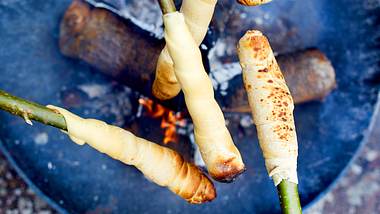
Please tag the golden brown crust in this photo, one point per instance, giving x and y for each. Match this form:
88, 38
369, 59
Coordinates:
204, 190
186, 180
253, 2
204, 193
271, 105
227, 171
161, 165
189, 182
165, 85
308, 73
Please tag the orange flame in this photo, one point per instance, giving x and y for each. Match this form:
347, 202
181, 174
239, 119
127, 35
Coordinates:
169, 120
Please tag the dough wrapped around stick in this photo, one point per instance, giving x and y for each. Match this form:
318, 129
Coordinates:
161, 165
198, 14
253, 2
272, 106
222, 158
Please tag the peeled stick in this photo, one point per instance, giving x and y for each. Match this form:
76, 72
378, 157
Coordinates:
253, 2
198, 14
222, 158
271, 105
161, 165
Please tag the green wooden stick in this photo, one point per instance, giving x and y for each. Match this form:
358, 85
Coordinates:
31, 111
289, 198
167, 6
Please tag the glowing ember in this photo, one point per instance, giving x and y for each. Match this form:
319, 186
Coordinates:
169, 119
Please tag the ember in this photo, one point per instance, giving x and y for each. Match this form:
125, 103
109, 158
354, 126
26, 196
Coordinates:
169, 119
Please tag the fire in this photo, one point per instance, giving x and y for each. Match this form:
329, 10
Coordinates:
169, 119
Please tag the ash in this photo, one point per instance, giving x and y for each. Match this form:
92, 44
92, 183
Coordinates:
145, 14
41, 138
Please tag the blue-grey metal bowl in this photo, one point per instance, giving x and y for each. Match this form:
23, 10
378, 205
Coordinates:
78, 179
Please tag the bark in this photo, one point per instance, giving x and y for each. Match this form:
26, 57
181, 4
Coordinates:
31, 111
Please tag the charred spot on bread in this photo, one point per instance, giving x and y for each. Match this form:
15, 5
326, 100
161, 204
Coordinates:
227, 171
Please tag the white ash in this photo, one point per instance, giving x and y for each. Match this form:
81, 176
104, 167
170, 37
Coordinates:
41, 138
246, 121
223, 47
145, 14
356, 169
258, 20
222, 73
94, 90
204, 47
223, 86
223, 93
371, 155
219, 49
50, 166
243, 15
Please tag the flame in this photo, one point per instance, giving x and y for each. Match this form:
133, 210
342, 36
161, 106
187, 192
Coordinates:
169, 119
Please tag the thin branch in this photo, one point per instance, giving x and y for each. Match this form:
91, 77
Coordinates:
289, 198
31, 111
167, 6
